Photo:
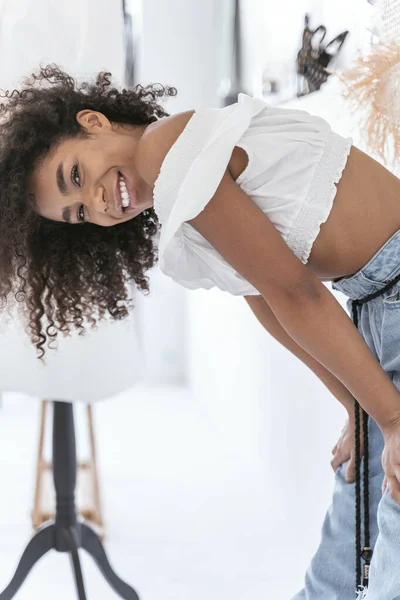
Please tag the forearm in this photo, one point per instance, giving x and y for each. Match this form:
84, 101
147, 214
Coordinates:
337, 388
320, 326
268, 320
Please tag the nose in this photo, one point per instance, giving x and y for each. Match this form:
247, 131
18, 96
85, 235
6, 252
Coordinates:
97, 201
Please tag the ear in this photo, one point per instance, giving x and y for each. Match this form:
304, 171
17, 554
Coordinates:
92, 121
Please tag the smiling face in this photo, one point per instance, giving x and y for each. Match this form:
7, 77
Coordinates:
92, 179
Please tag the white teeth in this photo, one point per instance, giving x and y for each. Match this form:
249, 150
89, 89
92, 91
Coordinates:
124, 193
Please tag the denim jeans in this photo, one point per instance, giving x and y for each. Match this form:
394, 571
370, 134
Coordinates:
331, 574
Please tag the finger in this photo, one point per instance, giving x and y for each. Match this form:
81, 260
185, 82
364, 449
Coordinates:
350, 472
384, 485
336, 462
334, 449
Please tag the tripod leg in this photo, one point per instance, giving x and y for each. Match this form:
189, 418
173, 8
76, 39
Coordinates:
98, 518
40, 466
76, 564
40, 544
92, 544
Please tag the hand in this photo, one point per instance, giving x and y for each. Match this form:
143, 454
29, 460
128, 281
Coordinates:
391, 460
345, 449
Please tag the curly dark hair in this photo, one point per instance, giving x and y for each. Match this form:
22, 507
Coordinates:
66, 277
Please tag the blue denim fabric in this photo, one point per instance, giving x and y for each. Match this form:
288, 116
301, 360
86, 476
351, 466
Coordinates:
331, 574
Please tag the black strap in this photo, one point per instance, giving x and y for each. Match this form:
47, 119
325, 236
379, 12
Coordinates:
366, 551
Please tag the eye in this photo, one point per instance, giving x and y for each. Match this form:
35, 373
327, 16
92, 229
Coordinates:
80, 213
75, 175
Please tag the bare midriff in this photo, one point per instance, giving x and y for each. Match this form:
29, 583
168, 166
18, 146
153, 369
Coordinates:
364, 215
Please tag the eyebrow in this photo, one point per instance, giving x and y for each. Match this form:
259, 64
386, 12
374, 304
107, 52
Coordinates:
66, 214
62, 186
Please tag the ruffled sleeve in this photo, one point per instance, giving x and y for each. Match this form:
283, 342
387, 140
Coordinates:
188, 179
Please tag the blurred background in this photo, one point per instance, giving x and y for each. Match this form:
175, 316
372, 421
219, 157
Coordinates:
214, 442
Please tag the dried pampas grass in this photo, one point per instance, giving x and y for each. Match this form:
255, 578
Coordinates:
372, 86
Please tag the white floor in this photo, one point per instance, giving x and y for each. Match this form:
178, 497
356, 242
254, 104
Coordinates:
186, 518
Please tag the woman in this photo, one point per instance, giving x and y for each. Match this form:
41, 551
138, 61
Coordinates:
264, 203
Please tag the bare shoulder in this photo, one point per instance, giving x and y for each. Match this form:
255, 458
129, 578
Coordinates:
156, 142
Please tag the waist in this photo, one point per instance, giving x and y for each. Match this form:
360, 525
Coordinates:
382, 268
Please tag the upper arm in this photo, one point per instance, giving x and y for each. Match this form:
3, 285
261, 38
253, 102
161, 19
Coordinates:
239, 230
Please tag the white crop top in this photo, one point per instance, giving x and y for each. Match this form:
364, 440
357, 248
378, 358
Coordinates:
294, 162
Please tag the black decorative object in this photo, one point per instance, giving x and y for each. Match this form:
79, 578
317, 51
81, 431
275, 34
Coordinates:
66, 533
313, 58
332, 49
309, 48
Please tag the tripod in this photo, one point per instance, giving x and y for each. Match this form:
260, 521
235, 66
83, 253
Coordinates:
66, 533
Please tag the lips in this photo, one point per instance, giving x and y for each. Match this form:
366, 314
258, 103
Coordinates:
118, 197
